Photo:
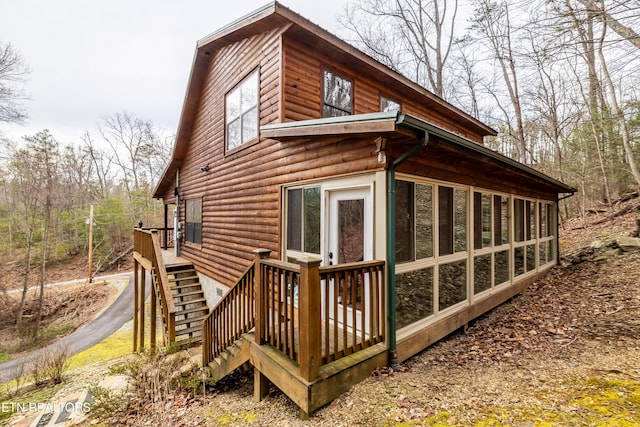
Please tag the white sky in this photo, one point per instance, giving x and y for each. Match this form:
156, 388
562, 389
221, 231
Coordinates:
93, 58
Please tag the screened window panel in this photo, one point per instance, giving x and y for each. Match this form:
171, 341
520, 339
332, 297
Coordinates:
445, 220
414, 296
481, 273
518, 261
501, 269
405, 221
452, 283
519, 220
481, 220
424, 221
460, 220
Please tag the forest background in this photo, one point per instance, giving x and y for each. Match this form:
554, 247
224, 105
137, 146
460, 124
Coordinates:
558, 79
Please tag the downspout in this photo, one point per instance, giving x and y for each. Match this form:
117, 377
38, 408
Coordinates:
558, 224
391, 245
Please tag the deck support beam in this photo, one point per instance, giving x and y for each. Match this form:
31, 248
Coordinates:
152, 329
143, 285
260, 385
136, 304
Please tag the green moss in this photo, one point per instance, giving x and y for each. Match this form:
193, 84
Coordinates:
4, 357
245, 417
118, 344
595, 402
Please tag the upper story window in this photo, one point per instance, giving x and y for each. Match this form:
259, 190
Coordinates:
387, 104
338, 95
241, 106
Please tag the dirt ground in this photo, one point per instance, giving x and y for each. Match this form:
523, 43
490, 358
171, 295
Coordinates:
565, 352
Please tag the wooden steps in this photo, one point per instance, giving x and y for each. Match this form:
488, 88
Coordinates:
190, 302
232, 358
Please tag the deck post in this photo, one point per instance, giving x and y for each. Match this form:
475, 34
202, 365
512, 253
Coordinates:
143, 285
260, 302
152, 332
309, 306
136, 307
260, 385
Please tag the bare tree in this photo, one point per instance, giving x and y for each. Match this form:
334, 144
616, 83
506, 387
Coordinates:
13, 72
27, 197
411, 36
492, 24
45, 152
618, 111
598, 9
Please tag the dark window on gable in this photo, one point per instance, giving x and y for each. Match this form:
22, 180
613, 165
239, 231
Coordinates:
387, 104
194, 221
338, 95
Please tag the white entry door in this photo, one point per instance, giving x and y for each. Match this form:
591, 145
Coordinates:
350, 239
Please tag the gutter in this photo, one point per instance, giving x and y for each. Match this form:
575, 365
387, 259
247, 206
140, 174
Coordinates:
391, 244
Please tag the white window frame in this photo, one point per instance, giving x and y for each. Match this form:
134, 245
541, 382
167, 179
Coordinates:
246, 112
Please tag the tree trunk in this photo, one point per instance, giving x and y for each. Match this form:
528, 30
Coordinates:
622, 122
25, 286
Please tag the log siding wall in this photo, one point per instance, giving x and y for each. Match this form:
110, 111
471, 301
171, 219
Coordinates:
303, 68
240, 193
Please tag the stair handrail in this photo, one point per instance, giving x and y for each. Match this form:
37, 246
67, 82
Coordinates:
217, 332
153, 253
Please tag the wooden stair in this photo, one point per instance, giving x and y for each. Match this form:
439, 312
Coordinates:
190, 302
232, 358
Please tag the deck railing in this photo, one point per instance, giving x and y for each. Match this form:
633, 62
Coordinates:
313, 314
353, 308
278, 307
146, 244
233, 316
166, 236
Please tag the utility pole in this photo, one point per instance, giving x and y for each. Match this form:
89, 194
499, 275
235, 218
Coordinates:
91, 244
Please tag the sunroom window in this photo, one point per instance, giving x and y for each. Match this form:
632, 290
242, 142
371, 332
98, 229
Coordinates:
241, 106
452, 220
525, 220
414, 221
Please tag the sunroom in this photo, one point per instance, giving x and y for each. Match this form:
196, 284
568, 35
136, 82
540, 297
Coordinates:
460, 227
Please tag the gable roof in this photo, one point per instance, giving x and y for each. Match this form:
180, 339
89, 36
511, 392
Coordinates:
271, 16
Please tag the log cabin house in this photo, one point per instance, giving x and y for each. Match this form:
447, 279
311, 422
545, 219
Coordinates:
330, 215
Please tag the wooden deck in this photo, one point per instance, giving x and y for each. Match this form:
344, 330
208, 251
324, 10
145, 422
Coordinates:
170, 260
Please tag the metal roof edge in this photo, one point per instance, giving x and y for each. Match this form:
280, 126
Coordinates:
328, 121
416, 123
